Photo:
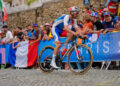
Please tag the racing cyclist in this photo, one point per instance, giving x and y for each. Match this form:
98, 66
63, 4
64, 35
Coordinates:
65, 22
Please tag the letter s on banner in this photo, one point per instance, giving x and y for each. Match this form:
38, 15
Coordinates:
105, 44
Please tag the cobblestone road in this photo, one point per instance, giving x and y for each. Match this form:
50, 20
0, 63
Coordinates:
31, 77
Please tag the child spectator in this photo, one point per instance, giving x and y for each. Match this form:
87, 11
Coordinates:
20, 37
87, 26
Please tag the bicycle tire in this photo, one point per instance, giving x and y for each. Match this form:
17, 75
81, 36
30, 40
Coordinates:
40, 63
91, 60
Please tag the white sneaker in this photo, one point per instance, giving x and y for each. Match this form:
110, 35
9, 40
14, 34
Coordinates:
53, 64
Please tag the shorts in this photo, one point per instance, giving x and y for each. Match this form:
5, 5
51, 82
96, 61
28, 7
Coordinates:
56, 32
63, 34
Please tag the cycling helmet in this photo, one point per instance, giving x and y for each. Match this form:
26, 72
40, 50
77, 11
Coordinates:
74, 9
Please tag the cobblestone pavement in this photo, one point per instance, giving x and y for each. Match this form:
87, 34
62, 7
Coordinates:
32, 77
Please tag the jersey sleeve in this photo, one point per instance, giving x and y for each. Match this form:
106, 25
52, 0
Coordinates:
66, 19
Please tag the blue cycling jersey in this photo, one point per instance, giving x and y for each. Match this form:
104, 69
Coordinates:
64, 20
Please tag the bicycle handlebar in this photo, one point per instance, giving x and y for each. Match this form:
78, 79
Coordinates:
74, 38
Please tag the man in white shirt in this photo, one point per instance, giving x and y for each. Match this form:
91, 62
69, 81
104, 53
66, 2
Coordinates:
9, 36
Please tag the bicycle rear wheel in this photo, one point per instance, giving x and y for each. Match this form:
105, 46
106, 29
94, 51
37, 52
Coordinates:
45, 58
82, 63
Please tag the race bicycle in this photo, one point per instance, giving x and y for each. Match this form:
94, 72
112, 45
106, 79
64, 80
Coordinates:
79, 58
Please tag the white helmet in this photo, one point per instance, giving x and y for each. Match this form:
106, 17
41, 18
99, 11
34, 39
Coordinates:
74, 9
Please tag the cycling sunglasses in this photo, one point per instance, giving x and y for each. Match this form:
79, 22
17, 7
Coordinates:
76, 13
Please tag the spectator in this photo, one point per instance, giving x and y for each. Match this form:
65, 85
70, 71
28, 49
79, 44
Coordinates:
46, 32
109, 24
37, 35
48, 26
29, 32
2, 37
41, 28
25, 35
96, 22
87, 26
20, 37
101, 8
14, 32
9, 36
19, 29
86, 11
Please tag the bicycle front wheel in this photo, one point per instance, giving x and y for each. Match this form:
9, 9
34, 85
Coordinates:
80, 59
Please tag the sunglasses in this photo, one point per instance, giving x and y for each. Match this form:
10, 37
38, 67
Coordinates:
76, 13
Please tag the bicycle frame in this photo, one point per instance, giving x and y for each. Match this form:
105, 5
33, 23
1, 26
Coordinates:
66, 53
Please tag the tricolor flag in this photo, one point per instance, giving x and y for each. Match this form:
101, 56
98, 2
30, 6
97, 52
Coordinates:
2, 7
93, 37
23, 56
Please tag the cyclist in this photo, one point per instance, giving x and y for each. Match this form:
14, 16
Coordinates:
65, 22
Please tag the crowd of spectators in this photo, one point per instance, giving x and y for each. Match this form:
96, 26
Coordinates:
93, 22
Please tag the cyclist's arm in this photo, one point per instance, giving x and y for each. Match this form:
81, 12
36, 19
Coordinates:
66, 19
77, 28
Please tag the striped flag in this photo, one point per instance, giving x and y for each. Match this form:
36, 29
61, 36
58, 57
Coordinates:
93, 37
2, 7
23, 56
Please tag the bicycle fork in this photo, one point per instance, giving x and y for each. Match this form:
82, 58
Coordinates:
77, 53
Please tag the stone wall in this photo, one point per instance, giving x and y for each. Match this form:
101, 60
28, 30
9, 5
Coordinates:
47, 13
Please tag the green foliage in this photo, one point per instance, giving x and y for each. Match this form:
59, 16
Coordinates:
30, 1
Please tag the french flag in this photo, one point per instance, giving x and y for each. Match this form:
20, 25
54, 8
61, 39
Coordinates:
93, 37
23, 56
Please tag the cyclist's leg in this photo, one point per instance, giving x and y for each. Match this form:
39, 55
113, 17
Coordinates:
69, 35
56, 33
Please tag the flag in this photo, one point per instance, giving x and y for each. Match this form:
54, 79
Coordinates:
93, 37
23, 56
2, 7
2, 54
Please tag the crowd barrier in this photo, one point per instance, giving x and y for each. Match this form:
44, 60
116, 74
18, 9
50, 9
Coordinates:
106, 48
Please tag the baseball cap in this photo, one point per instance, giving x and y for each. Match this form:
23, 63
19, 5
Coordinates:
106, 14
47, 24
94, 14
35, 25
